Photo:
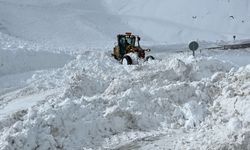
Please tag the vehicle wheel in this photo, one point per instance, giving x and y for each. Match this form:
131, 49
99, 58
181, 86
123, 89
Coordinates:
126, 60
149, 58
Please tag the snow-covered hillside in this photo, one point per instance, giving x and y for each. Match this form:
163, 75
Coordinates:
61, 89
80, 22
181, 21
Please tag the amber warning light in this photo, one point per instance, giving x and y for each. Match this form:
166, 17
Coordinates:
128, 33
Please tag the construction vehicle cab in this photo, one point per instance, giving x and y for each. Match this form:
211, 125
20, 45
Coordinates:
128, 45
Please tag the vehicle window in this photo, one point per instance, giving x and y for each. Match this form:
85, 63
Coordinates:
122, 41
130, 41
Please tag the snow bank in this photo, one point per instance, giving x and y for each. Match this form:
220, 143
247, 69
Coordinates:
100, 98
228, 125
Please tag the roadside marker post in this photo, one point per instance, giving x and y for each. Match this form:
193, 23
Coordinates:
193, 46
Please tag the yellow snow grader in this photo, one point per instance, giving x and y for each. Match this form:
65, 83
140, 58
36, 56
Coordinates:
128, 50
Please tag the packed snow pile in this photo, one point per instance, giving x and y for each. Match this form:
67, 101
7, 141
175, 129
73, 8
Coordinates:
99, 99
228, 125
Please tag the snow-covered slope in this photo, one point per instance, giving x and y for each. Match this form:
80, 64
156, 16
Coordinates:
71, 23
80, 22
180, 21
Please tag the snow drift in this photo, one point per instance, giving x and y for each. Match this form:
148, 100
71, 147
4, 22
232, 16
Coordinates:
100, 99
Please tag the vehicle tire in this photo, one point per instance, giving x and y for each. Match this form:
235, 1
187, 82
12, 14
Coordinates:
126, 60
149, 58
